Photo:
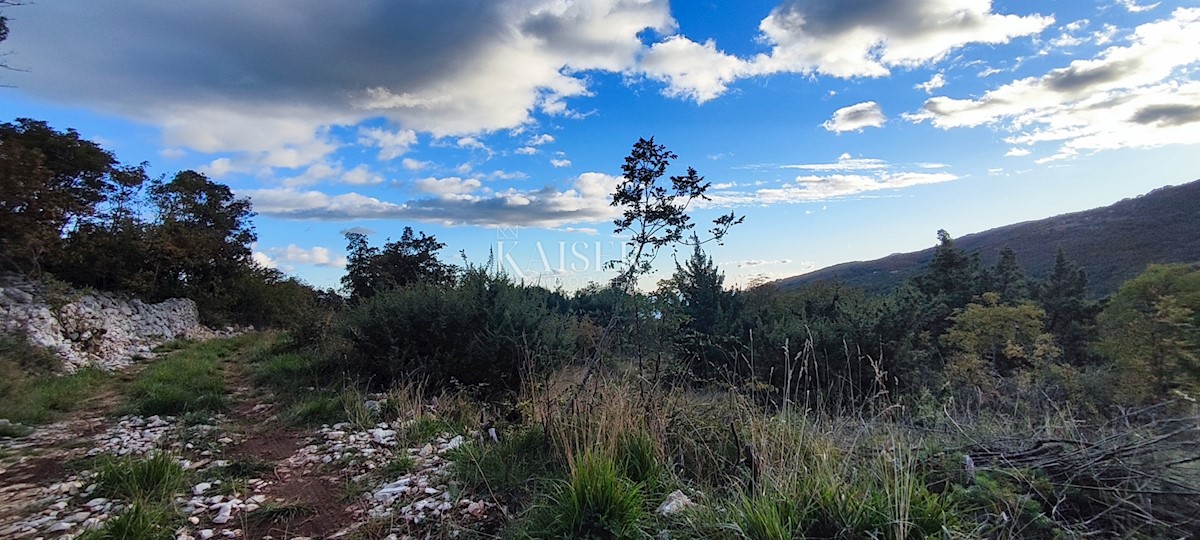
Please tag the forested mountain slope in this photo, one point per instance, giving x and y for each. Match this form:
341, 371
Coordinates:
1112, 243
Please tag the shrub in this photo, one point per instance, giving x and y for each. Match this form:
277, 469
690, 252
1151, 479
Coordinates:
480, 332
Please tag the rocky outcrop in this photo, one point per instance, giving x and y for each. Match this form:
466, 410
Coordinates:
94, 328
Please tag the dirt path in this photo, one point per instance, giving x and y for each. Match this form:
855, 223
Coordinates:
250, 472
304, 504
43, 476
40, 465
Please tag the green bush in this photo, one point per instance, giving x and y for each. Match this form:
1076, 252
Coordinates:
479, 333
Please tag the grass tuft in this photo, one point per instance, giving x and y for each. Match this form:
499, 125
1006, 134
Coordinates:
597, 502
510, 469
155, 478
140, 521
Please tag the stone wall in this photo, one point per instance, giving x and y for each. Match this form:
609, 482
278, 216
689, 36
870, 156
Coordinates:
94, 328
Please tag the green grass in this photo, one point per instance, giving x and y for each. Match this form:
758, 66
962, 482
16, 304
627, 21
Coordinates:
187, 381
511, 469
767, 517
26, 357
398, 466
46, 398
152, 479
141, 521
597, 502
149, 485
321, 408
287, 373
275, 514
31, 392
637, 460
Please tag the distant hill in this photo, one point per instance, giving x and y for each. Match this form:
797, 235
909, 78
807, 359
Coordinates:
1112, 243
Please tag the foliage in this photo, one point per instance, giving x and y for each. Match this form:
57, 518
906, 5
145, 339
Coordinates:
1150, 334
71, 209
1007, 278
411, 259
1070, 314
479, 332
655, 215
1005, 337
696, 295
51, 181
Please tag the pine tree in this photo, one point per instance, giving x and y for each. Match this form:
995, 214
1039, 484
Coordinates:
1007, 279
1070, 315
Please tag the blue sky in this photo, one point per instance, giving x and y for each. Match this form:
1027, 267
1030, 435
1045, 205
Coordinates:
841, 130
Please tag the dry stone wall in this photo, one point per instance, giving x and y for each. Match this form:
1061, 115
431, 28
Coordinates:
94, 328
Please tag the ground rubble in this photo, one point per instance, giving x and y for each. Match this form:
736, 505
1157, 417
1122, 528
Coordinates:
420, 493
68, 507
401, 487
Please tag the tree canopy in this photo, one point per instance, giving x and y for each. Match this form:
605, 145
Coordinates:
411, 259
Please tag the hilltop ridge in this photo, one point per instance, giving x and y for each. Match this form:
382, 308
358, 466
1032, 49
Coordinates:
1112, 243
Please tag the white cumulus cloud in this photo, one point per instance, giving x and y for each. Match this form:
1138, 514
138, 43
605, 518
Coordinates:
1126, 96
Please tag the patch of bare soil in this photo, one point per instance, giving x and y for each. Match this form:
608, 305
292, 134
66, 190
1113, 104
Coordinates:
300, 502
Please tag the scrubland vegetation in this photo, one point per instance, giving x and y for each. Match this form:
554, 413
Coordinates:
970, 402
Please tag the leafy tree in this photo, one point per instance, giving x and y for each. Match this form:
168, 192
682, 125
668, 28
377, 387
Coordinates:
4, 24
952, 275
700, 288
1070, 315
990, 341
202, 236
411, 259
1007, 279
952, 280
1150, 333
655, 216
52, 181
